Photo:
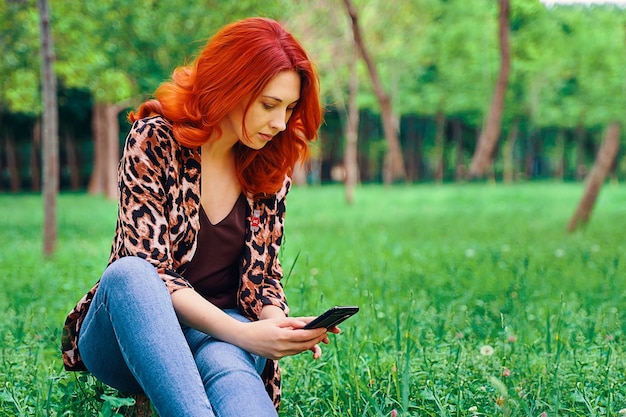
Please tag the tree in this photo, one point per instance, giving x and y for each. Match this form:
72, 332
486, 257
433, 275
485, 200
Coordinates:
100, 63
50, 131
586, 74
437, 63
533, 52
604, 161
131, 48
20, 90
488, 139
394, 162
352, 135
328, 40
19, 65
451, 74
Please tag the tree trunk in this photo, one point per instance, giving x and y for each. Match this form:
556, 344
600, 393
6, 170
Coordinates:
15, 182
560, 145
420, 171
72, 160
50, 131
410, 149
97, 180
105, 128
35, 173
394, 164
300, 173
459, 174
482, 158
529, 156
142, 407
1, 136
581, 169
604, 160
440, 146
508, 153
352, 134
1, 169
113, 149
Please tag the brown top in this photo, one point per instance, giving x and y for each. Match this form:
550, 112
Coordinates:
214, 271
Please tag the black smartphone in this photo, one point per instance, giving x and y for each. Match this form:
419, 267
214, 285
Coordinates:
332, 317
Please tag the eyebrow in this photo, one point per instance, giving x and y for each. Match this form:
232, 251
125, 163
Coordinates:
279, 99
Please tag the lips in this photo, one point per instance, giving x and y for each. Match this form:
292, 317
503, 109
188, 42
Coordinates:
265, 137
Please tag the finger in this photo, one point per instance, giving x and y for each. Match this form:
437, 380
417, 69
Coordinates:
306, 320
295, 323
335, 330
311, 334
317, 351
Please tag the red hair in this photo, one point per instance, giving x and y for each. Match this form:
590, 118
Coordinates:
238, 62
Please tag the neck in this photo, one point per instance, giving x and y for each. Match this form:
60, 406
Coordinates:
218, 148
216, 151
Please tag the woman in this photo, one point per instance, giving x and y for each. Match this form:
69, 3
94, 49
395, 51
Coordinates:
190, 309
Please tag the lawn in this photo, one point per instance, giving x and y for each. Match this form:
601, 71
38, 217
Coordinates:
474, 302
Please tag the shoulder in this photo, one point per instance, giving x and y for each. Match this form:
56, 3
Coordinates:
152, 139
284, 189
151, 129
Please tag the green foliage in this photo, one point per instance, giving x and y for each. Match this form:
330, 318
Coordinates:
432, 55
442, 56
587, 79
116, 49
458, 67
19, 65
473, 301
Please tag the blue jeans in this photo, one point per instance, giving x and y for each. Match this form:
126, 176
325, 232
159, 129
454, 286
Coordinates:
131, 340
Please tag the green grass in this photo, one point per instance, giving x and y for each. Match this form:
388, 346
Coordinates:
440, 272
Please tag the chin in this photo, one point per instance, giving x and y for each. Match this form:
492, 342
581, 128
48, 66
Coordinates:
255, 144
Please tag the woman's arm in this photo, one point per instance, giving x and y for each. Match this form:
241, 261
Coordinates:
273, 337
143, 226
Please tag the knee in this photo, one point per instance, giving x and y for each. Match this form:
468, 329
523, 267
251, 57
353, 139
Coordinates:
132, 274
220, 358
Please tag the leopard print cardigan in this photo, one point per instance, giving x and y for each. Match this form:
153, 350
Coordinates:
158, 220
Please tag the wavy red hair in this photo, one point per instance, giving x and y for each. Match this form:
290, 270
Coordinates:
237, 63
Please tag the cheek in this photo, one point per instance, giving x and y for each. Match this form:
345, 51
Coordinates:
254, 120
238, 121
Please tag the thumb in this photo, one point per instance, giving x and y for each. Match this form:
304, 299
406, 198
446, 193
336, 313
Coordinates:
293, 323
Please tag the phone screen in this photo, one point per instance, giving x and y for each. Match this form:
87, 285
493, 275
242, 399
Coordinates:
332, 317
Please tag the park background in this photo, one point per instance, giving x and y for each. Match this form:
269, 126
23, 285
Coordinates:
476, 299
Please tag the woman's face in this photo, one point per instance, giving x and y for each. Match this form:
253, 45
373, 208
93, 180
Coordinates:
268, 113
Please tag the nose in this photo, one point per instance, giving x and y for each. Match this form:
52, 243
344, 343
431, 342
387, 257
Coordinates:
279, 122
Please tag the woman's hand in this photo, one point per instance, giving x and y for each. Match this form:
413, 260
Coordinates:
275, 338
274, 312
317, 350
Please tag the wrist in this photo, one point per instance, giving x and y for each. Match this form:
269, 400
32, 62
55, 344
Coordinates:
242, 335
270, 311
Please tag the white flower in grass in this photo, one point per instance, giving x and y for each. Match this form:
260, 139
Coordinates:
622, 412
559, 253
470, 253
486, 350
472, 409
